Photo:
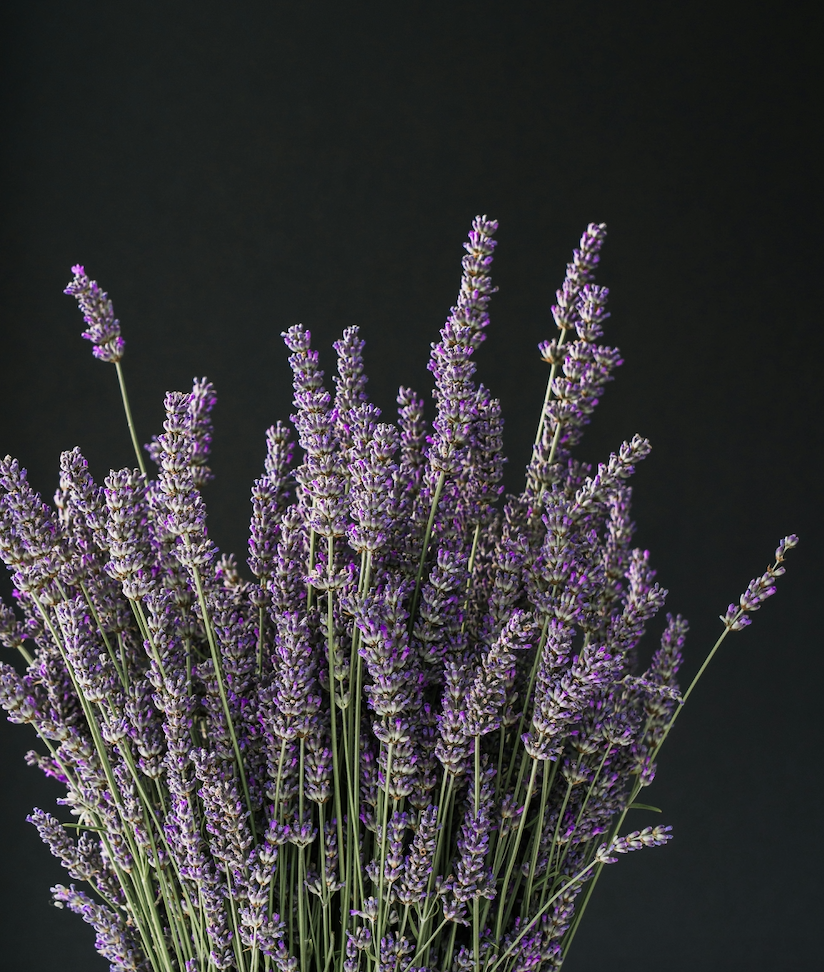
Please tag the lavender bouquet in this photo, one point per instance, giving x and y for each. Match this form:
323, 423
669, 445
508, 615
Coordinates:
412, 741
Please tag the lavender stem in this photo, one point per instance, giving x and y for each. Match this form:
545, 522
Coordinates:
514, 852
219, 677
425, 549
127, 408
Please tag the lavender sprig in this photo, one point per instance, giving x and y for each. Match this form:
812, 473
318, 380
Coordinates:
103, 329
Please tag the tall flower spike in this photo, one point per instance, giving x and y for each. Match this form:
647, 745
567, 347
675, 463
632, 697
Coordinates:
450, 362
113, 936
476, 285
201, 402
412, 888
371, 496
350, 383
412, 437
758, 589
101, 325
321, 475
127, 532
580, 271
560, 701
269, 496
185, 511
487, 694
473, 878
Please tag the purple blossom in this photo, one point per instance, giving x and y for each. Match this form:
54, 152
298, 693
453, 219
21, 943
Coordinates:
371, 493
321, 474
350, 383
184, 513
101, 325
759, 589
559, 701
127, 533
269, 496
474, 879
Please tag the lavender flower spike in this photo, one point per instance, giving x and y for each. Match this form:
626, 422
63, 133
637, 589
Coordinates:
758, 590
101, 325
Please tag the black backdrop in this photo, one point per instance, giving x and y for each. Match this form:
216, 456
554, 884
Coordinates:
226, 170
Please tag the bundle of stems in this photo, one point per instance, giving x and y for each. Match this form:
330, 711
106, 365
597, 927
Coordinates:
411, 742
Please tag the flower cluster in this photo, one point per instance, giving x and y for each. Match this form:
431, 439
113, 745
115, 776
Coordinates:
405, 744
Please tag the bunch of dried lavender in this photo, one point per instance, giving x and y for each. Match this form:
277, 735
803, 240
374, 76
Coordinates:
412, 741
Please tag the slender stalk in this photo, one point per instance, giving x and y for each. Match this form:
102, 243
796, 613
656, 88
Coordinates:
422, 948
210, 635
238, 946
356, 688
585, 801
527, 697
127, 409
445, 799
514, 852
476, 930
425, 548
693, 683
384, 826
333, 706
536, 845
553, 371
451, 947
301, 866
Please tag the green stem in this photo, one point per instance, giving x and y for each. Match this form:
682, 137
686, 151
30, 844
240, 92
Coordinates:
536, 843
425, 549
514, 852
451, 948
527, 697
590, 791
236, 942
422, 948
301, 865
553, 371
124, 395
210, 635
333, 707
384, 827
356, 692
476, 930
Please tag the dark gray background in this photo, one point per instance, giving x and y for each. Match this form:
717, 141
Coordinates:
228, 169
